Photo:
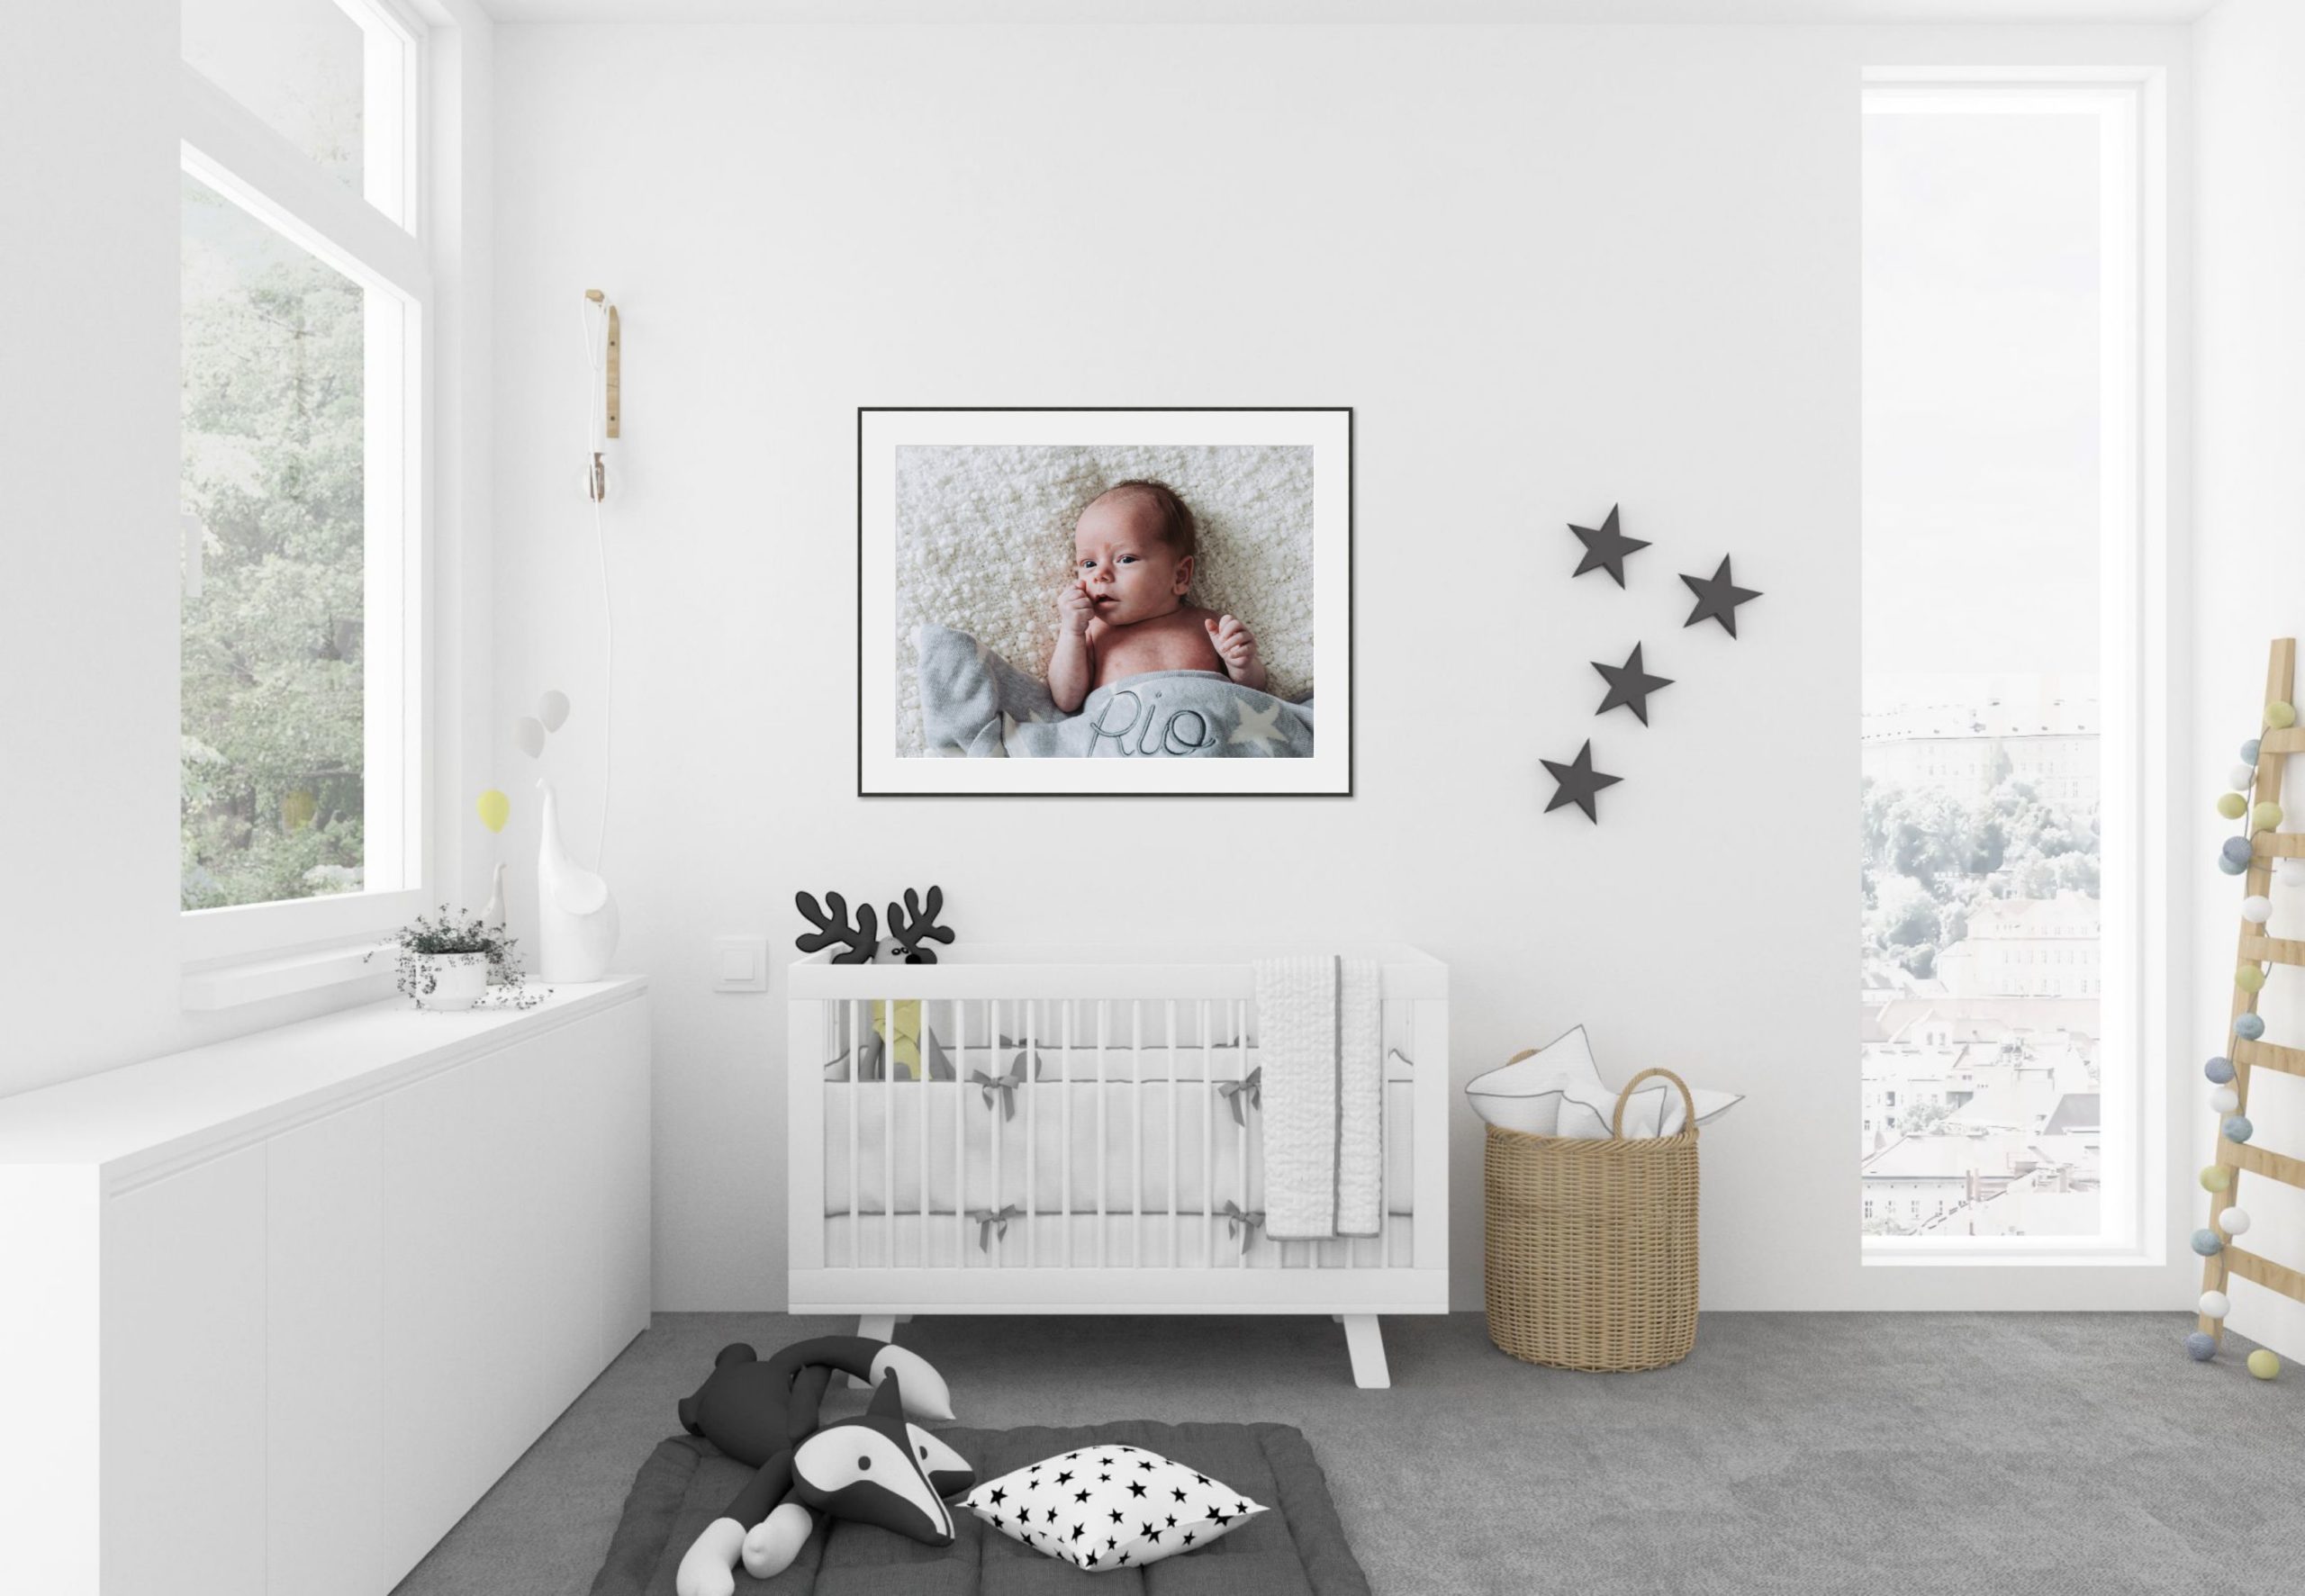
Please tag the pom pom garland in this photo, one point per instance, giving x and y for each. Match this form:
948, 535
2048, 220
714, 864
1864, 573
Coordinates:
2219, 1069
2280, 715
2256, 909
2262, 1363
2290, 872
2230, 865
2224, 1100
2238, 1128
2215, 1304
2215, 1178
2233, 1222
2265, 816
2201, 1345
2236, 849
2205, 1242
2248, 1027
2250, 750
2250, 977
2232, 806
2240, 776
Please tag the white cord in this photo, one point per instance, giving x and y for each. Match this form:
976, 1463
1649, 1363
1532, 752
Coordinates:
595, 442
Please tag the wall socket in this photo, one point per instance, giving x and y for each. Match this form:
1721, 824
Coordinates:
740, 964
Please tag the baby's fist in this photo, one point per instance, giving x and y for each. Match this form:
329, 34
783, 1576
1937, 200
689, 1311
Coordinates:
1074, 609
1235, 643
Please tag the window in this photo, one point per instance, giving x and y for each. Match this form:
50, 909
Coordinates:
2008, 263
304, 291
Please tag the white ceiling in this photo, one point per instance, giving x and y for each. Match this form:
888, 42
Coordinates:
1347, 10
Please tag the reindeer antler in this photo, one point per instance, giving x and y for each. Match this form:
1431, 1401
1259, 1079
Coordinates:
920, 927
831, 923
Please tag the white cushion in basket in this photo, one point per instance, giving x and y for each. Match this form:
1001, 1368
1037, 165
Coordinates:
1164, 1508
1558, 1091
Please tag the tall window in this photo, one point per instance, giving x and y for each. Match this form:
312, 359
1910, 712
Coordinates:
303, 290
2003, 483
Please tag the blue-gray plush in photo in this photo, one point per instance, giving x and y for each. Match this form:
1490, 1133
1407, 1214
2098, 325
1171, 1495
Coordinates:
974, 703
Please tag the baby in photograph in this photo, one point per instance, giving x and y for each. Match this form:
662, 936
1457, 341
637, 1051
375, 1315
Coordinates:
1124, 613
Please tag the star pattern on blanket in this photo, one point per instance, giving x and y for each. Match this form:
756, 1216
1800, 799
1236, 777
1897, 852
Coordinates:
1257, 727
1092, 1488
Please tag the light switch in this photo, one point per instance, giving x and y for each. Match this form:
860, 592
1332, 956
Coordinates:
740, 964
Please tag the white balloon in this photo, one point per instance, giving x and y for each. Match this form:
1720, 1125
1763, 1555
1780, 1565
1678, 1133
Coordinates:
527, 732
2225, 1100
553, 708
2215, 1304
2240, 777
2233, 1222
2255, 910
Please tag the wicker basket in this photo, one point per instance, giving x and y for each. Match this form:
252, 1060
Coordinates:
1592, 1244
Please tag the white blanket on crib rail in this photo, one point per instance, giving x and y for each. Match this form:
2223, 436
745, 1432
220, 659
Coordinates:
1062, 1163
1319, 1020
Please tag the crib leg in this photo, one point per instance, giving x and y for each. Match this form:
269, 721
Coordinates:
876, 1327
1366, 1342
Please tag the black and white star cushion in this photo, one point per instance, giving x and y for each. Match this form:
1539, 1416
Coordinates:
1205, 1509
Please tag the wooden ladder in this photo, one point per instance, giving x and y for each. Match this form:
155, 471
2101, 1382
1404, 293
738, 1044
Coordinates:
2258, 950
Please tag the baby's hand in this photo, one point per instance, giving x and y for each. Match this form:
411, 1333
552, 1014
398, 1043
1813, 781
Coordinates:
1073, 609
1235, 644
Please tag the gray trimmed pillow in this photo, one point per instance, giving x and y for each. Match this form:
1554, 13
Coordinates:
1103, 1507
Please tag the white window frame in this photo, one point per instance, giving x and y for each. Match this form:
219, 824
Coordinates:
373, 237
2130, 107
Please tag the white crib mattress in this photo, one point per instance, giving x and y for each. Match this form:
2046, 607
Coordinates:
1151, 1241
1004, 1156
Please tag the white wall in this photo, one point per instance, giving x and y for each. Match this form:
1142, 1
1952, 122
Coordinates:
1553, 268
2249, 553
89, 958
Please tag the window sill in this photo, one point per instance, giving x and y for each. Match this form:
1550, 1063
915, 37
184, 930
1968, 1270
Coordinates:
229, 986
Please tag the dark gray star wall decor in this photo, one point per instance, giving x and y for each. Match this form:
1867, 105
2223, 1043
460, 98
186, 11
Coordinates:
1630, 685
1717, 598
1605, 548
1578, 782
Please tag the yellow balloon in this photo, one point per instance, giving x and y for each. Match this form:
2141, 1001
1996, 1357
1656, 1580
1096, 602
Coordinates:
494, 809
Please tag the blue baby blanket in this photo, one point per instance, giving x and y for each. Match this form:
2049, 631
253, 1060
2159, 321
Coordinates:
974, 703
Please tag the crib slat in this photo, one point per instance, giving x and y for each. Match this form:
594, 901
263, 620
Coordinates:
1207, 1137
1241, 1072
889, 1140
1032, 1128
1175, 1237
927, 1101
1136, 1131
859, 1029
960, 1136
1101, 1006
1065, 1148
999, 1106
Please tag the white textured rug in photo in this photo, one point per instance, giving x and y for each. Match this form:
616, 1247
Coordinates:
984, 541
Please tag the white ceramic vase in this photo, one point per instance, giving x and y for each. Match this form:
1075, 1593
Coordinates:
576, 918
455, 980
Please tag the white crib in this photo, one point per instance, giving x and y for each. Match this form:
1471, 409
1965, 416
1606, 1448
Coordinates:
1094, 1145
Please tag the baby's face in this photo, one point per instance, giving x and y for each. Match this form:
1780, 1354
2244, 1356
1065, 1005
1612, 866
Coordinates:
1120, 556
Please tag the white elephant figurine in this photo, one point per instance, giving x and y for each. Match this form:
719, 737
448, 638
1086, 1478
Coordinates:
577, 918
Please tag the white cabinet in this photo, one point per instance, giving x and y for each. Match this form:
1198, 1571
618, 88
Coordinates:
339, 1276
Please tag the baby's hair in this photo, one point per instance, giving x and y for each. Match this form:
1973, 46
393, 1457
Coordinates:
1178, 529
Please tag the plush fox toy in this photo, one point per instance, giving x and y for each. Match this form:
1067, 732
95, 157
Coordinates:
877, 1468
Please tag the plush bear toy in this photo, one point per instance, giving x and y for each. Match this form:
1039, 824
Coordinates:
876, 1468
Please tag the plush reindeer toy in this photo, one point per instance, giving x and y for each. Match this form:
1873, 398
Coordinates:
876, 1468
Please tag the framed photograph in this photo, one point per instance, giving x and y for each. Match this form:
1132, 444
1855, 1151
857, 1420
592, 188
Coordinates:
1103, 601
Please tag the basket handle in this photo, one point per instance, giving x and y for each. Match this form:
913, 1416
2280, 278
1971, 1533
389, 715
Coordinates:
1616, 1121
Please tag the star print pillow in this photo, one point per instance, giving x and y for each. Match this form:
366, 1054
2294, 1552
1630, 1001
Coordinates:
1110, 1507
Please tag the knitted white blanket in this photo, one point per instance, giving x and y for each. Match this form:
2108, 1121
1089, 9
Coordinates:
1318, 1023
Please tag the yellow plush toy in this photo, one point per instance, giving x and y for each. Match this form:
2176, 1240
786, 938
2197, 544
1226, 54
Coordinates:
904, 1045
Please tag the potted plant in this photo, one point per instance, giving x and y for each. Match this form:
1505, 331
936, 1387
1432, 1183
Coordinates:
444, 962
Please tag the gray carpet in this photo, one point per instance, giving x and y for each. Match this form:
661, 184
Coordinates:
1817, 1455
